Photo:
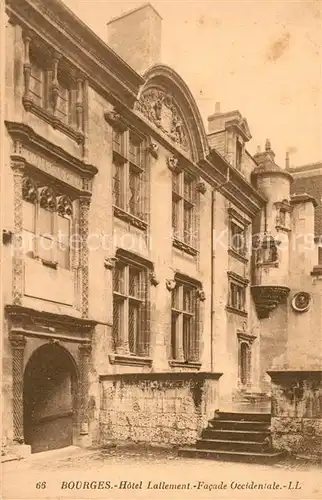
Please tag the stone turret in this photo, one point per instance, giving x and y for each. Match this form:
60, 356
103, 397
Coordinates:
271, 254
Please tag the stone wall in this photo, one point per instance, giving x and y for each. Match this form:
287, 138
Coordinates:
156, 408
297, 412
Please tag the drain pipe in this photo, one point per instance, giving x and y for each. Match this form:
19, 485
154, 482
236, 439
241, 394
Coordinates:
212, 364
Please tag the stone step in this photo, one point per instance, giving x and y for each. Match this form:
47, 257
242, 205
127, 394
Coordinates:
235, 435
229, 445
238, 425
232, 456
244, 416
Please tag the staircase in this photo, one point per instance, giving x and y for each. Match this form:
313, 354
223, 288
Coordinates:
236, 436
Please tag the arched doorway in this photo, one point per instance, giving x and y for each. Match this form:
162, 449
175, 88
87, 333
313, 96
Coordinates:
50, 385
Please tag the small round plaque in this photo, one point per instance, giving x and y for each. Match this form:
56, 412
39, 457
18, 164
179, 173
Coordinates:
301, 301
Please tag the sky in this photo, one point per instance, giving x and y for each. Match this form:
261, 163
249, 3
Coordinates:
262, 57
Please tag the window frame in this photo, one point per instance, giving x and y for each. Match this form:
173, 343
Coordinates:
123, 345
237, 304
184, 345
237, 220
45, 199
184, 203
135, 212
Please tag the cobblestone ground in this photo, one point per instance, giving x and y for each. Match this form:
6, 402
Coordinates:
114, 473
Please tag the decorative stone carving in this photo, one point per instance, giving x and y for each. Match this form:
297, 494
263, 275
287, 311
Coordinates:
201, 295
153, 149
110, 262
47, 198
153, 279
201, 188
173, 164
6, 236
83, 229
170, 284
64, 206
17, 270
301, 302
114, 119
29, 190
267, 298
162, 110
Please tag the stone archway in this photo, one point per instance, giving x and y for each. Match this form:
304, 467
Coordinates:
50, 398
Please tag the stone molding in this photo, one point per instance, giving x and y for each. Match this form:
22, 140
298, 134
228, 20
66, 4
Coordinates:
267, 298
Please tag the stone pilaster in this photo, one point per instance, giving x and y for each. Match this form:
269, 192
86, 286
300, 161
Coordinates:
84, 224
17, 268
18, 343
84, 355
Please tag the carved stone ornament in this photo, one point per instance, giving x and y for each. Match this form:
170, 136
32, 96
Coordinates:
47, 198
267, 298
64, 206
6, 236
170, 284
161, 109
110, 262
201, 295
301, 302
173, 164
153, 149
29, 190
153, 279
201, 187
114, 119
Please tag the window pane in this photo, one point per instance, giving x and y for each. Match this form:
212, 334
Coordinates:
118, 185
62, 102
187, 332
63, 256
134, 325
28, 216
175, 298
118, 321
174, 335
118, 278
187, 299
135, 193
63, 228
36, 84
46, 248
134, 282
45, 221
28, 243
238, 242
176, 183
188, 188
118, 141
187, 223
135, 149
175, 217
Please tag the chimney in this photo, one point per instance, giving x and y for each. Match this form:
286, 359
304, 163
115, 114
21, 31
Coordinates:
287, 160
136, 37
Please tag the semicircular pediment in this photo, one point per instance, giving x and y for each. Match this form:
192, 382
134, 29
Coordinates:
160, 107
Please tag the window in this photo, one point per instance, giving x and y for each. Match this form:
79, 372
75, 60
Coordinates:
184, 208
129, 174
184, 323
51, 92
237, 237
239, 154
46, 224
237, 293
130, 308
238, 228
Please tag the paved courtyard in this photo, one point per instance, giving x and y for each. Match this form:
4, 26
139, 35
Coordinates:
132, 473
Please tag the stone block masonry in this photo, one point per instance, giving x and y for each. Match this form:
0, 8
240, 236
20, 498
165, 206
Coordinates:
296, 423
156, 408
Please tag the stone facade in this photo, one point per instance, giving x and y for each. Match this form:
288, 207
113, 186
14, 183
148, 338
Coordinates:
158, 290
157, 409
297, 412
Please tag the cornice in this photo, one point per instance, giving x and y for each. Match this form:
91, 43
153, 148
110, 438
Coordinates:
66, 33
28, 137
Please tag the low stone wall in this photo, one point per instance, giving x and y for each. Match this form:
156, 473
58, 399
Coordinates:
297, 412
156, 408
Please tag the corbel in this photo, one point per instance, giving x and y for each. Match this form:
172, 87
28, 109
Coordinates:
153, 279
153, 149
201, 188
115, 119
6, 236
173, 164
110, 262
170, 284
201, 294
